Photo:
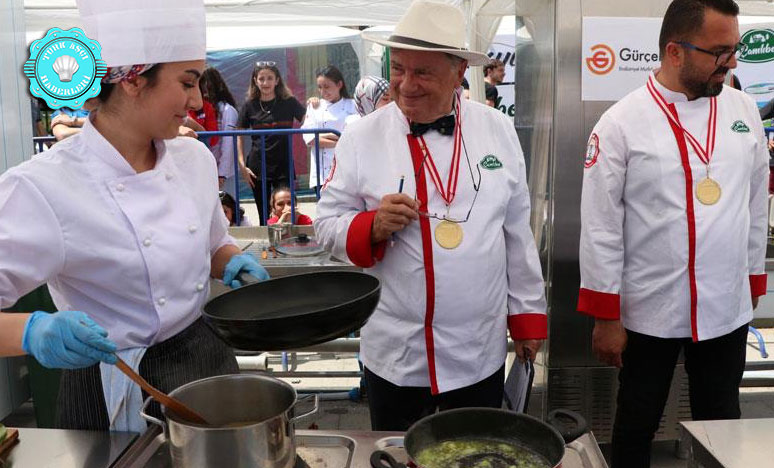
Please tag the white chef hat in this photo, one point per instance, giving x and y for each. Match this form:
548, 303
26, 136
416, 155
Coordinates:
145, 31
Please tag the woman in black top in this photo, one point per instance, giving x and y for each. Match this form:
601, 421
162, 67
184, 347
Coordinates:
269, 105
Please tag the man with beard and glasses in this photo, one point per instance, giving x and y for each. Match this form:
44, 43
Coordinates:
673, 228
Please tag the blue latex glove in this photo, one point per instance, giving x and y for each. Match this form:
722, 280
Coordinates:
67, 340
243, 262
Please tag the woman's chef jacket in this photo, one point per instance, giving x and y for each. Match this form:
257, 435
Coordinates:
131, 250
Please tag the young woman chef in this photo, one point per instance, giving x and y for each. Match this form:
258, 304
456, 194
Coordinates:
123, 220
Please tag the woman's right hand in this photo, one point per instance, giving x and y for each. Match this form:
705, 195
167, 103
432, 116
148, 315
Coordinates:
67, 339
248, 175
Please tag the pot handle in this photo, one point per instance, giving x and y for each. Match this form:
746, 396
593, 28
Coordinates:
571, 430
382, 459
316, 398
150, 418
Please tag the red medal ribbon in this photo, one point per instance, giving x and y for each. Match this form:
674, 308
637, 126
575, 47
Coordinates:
451, 184
705, 154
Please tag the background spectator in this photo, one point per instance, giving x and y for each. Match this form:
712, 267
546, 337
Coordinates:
270, 104
280, 208
229, 208
214, 90
335, 106
66, 122
494, 74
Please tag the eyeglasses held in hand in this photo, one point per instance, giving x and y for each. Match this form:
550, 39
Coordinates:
721, 57
266, 64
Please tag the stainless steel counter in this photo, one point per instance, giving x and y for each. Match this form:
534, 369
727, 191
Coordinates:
341, 449
52, 448
741, 443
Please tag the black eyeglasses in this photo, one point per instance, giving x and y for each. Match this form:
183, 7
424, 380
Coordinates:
722, 57
476, 188
266, 64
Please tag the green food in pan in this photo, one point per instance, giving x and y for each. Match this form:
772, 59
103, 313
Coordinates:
471, 453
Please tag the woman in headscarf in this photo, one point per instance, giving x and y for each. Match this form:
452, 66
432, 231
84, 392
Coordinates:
371, 93
124, 223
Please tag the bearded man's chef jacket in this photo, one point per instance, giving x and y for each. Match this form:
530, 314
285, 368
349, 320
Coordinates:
443, 315
666, 264
131, 250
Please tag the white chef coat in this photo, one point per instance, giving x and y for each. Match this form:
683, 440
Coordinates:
492, 280
131, 250
326, 115
634, 246
224, 149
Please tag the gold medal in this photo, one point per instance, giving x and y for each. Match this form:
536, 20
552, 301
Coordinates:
448, 234
708, 191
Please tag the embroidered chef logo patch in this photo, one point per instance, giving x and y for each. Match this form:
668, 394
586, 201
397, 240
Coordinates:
592, 151
740, 127
65, 68
491, 162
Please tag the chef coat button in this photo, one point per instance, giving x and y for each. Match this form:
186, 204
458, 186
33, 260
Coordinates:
146, 242
192, 228
168, 176
120, 187
199, 287
162, 301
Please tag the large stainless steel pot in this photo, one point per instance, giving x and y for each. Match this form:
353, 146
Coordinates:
265, 403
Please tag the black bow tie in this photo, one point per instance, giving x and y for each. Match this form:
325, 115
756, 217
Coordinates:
444, 125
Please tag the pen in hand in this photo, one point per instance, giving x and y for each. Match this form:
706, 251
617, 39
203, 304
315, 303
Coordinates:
400, 190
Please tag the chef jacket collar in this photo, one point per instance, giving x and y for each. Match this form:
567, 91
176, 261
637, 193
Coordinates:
117, 165
671, 96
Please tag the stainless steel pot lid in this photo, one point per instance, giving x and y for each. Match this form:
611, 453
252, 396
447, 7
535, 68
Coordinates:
300, 246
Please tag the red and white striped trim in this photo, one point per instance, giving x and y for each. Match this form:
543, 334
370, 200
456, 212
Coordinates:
680, 137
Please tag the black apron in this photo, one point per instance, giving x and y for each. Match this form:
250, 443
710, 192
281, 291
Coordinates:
195, 353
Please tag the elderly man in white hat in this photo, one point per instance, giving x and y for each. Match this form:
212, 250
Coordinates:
430, 195
127, 226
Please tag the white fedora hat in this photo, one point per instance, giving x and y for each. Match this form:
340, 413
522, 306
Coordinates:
432, 27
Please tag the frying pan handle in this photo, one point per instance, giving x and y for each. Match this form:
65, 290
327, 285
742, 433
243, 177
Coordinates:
382, 459
150, 418
558, 420
316, 398
246, 278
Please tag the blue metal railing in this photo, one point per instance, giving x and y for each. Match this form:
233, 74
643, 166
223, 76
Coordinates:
289, 132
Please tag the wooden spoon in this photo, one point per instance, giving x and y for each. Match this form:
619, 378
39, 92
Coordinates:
172, 404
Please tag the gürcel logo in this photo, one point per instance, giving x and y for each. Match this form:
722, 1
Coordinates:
760, 46
602, 59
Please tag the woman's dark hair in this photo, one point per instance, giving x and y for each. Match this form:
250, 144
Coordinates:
228, 200
334, 74
684, 18
152, 74
281, 91
213, 85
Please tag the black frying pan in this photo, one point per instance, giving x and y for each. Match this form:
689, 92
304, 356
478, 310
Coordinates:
294, 311
497, 425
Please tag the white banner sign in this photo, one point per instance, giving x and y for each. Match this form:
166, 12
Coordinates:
617, 56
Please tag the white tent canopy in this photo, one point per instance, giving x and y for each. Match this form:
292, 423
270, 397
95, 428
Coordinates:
483, 19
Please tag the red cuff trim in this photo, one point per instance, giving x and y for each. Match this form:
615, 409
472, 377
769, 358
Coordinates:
758, 285
360, 250
528, 326
601, 305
